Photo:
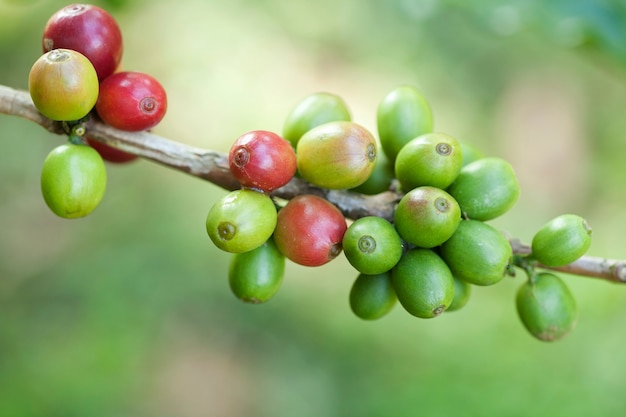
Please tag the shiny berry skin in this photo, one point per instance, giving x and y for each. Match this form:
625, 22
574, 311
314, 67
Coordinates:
431, 159
546, 307
477, 253
241, 221
73, 180
402, 115
131, 101
562, 240
337, 155
486, 188
427, 216
262, 160
309, 230
89, 30
63, 85
372, 245
372, 296
423, 283
109, 153
256, 276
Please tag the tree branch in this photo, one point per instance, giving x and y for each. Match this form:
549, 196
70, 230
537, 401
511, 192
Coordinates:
212, 166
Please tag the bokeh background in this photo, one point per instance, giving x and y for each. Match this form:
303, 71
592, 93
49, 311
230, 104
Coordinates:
128, 312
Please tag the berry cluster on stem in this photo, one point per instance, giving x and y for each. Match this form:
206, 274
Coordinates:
213, 166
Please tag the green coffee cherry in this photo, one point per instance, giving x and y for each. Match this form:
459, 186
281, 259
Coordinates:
312, 111
241, 221
73, 180
427, 216
423, 283
372, 296
433, 159
462, 291
546, 307
485, 188
255, 276
562, 240
372, 245
470, 153
402, 115
477, 253
337, 155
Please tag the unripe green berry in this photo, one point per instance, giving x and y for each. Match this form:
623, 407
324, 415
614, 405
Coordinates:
73, 180
433, 159
477, 253
241, 221
485, 188
372, 245
423, 283
402, 115
255, 276
372, 296
546, 307
562, 240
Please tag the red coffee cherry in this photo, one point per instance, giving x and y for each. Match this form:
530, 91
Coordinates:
131, 101
262, 160
309, 230
89, 30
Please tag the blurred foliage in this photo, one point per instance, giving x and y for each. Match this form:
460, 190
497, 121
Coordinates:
128, 312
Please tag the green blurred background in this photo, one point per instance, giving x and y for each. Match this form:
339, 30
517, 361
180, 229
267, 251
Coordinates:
128, 312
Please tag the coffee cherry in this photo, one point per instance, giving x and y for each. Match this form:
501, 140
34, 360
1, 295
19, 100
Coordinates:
380, 179
372, 296
470, 153
433, 159
336, 155
309, 230
262, 160
63, 85
73, 180
314, 110
241, 221
131, 101
423, 283
372, 245
427, 216
402, 115
255, 276
546, 307
109, 153
477, 253
89, 30
485, 188
462, 291
562, 240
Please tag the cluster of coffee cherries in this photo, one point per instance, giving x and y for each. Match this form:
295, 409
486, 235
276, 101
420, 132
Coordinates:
428, 256
78, 76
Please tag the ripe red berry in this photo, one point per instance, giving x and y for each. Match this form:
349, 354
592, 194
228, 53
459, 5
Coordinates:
262, 160
89, 30
109, 153
309, 230
131, 101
